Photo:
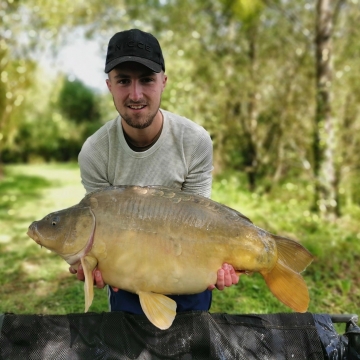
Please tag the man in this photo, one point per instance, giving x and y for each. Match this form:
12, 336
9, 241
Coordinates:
146, 145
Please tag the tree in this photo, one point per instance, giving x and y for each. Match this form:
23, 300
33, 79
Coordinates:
77, 102
28, 28
245, 70
254, 69
324, 143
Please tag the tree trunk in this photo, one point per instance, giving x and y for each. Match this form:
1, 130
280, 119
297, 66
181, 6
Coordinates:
251, 160
325, 199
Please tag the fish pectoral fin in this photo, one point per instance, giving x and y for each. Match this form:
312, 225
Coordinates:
159, 309
88, 264
288, 286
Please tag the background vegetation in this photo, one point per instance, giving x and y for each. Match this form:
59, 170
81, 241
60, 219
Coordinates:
275, 83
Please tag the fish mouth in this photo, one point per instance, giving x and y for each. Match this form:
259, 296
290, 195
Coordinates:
32, 232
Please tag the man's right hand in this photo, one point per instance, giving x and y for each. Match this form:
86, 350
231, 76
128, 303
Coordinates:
97, 277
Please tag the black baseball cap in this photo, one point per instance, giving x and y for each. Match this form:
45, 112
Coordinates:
134, 45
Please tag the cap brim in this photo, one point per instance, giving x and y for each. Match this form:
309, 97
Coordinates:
148, 63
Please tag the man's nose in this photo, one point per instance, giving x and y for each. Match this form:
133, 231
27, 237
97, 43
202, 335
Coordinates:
135, 91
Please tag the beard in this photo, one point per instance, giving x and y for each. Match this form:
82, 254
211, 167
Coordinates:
135, 123
140, 121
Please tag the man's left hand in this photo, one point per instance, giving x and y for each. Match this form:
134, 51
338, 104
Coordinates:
226, 276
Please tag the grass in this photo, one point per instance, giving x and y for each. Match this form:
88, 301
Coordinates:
34, 280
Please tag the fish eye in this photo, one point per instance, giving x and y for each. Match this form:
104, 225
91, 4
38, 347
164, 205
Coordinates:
55, 220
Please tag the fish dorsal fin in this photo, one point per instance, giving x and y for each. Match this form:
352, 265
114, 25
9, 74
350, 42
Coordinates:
293, 254
88, 264
159, 309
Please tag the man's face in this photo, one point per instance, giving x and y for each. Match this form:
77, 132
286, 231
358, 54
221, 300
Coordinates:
136, 91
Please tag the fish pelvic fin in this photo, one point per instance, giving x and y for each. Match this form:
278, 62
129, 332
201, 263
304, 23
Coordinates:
159, 309
88, 264
284, 280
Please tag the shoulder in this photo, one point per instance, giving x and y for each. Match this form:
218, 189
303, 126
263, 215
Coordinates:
181, 125
97, 145
102, 137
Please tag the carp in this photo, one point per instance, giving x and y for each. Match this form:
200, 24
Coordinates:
156, 241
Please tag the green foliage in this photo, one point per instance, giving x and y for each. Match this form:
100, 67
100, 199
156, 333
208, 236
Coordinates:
247, 11
16, 79
48, 133
28, 30
243, 69
77, 102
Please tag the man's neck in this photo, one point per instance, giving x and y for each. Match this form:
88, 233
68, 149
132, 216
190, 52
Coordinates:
143, 138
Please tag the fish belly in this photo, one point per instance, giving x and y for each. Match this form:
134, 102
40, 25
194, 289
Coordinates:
179, 263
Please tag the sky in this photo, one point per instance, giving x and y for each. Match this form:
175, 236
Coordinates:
83, 59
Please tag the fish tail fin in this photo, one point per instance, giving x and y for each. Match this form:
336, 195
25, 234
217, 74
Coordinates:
159, 309
284, 280
88, 264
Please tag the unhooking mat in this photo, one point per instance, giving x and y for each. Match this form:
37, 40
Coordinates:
193, 335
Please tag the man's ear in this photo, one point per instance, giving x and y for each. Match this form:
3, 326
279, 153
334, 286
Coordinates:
108, 83
164, 81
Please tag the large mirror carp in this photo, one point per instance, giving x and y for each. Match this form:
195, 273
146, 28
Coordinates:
156, 241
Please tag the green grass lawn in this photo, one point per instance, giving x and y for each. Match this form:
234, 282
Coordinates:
34, 280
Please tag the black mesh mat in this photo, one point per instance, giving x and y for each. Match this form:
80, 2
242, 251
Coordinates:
193, 335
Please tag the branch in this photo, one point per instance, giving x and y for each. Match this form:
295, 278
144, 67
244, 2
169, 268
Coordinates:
291, 18
336, 12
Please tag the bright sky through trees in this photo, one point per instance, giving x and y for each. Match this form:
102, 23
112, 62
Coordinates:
82, 60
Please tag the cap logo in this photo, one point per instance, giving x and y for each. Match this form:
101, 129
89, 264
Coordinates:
132, 43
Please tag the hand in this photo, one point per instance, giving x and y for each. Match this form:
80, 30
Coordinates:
98, 280
226, 276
